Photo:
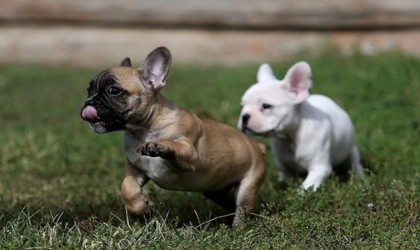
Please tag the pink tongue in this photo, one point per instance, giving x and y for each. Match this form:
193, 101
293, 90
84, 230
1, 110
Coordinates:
89, 114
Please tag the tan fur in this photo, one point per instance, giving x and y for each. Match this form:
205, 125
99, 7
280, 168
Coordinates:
208, 157
201, 155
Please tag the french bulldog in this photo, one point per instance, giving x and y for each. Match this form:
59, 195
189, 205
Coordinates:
310, 134
170, 146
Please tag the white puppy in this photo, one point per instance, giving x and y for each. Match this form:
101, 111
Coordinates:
310, 134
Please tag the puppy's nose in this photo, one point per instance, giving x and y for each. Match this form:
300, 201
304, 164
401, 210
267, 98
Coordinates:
245, 118
91, 101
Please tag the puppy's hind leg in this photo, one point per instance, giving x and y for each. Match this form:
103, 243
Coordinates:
355, 162
224, 198
247, 192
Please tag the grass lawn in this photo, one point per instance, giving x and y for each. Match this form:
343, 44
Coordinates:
59, 182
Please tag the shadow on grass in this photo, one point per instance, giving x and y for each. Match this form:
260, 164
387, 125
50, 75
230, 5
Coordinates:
178, 209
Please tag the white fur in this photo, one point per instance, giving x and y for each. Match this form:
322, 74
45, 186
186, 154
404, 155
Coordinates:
309, 133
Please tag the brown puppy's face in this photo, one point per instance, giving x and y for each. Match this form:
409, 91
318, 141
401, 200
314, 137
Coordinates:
121, 97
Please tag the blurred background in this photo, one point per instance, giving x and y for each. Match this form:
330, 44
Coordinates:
102, 32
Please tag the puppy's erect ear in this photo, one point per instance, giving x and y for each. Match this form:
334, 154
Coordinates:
298, 81
265, 73
126, 62
155, 68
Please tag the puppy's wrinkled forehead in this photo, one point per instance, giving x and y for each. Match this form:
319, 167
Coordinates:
258, 93
128, 78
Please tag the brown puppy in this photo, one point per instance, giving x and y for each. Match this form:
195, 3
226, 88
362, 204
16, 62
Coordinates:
174, 148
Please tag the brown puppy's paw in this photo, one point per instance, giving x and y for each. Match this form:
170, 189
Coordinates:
154, 149
140, 206
139, 211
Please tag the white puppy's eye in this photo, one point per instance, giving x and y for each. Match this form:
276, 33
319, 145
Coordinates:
266, 106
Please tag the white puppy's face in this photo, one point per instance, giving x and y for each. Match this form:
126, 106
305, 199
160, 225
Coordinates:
267, 106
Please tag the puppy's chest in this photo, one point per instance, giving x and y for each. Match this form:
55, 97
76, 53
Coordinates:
153, 167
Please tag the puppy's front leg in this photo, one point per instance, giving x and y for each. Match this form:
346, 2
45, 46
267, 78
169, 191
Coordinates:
181, 153
355, 161
276, 149
317, 174
135, 201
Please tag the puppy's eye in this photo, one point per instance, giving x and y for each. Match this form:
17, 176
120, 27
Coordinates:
266, 106
114, 91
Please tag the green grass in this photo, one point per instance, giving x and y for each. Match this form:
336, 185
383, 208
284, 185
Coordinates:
59, 182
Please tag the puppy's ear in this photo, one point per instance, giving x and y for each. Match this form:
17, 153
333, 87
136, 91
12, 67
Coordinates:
265, 73
155, 68
298, 81
126, 62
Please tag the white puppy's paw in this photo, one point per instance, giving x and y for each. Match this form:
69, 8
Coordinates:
305, 187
